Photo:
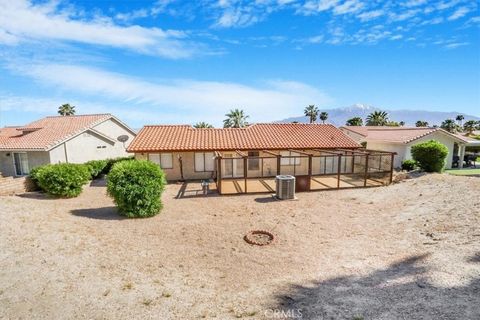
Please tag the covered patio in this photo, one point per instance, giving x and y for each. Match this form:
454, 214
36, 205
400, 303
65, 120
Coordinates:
314, 169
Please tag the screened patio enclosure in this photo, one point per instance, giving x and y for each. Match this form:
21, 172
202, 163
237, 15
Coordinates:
316, 169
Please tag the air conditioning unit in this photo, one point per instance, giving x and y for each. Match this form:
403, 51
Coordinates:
285, 186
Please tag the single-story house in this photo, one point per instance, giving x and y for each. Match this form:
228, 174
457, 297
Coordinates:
257, 153
401, 140
55, 139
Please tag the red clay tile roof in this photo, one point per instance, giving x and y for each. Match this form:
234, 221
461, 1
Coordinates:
48, 131
254, 137
396, 134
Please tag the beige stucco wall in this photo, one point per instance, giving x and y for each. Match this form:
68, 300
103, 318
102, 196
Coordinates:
404, 150
113, 129
35, 159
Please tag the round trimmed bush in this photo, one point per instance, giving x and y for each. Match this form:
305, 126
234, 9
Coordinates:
111, 162
136, 187
408, 165
430, 155
96, 167
63, 179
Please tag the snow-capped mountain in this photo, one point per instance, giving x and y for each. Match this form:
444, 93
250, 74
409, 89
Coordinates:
339, 116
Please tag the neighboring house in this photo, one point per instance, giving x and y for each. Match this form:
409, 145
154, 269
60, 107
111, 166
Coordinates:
197, 149
56, 139
401, 139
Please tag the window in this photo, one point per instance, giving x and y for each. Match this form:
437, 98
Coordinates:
21, 164
253, 164
164, 160
204, 161
289, 161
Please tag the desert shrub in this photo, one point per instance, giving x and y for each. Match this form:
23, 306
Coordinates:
34, 175
111, 162
136, 187
63, 179
408, 165
430, 155
96, 167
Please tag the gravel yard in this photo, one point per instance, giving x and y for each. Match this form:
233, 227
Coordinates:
407, 251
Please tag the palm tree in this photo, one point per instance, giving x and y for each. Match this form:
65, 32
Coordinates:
323, 116
355, 121
401, 123
469, 126
449, 125
235, 119
202, 124
66, 110
312, 112
460, 118
377, 118
421, 123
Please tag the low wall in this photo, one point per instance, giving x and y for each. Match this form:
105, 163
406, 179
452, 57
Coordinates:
11, 185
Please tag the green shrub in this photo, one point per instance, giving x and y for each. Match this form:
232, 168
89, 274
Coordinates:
408, 165
34, 176
136, 187
96, 167
111, 162
63, 179
430, 155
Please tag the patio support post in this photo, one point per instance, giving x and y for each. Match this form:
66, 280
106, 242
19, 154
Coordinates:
391, 167
366, 171
219, 174
309, 172
339, 167
245, 172
461, 155
278, 164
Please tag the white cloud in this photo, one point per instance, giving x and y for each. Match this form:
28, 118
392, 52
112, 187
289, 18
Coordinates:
370, 15
459, 13
23, 21
349, 6
315, 39
196, 99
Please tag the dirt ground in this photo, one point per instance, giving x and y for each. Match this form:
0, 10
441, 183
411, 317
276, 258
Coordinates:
407, 251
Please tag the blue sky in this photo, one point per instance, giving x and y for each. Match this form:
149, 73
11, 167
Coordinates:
154, 62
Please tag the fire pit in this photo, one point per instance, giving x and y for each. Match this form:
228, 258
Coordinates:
259, 237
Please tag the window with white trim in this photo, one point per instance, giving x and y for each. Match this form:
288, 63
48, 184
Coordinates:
289, 161
164, 160
204, 161
20, 160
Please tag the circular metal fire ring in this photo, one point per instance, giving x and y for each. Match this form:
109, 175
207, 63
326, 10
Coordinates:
259, 237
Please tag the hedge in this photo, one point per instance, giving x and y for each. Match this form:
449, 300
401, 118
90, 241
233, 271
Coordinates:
430, 155
96, 167
111, 162
63, 179
408, 165
136, 187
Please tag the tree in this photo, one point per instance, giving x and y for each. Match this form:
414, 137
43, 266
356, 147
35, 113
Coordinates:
392, 124
377, 118
449, 125
459, 119
235, 119
66, 110
401, 123
421, 123
202, 124
312, 112
469, 126
355, 121
323, 116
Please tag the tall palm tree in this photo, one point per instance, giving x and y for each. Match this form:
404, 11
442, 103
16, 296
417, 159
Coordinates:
66, 110
459, 119
202, 124
236, 118
421, 123
312, 112
377, 118
449, 125
355, 121
323, 116
469, 126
